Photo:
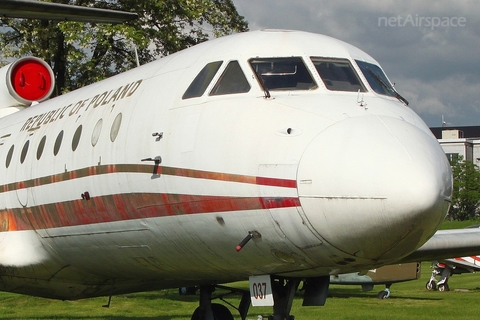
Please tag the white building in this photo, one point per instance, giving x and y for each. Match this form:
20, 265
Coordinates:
461, 141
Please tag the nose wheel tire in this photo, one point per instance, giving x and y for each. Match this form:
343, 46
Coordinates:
220, 312
443, 287
383, 295
431, 286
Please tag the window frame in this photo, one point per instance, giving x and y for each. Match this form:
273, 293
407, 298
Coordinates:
351, 66
312, 85
388, 91
202, 80
218, 83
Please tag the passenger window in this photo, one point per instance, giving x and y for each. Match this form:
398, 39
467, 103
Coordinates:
96, 132
202, 80
283, 73
58, 143
9, 156
231, 81
76, 138
23, 155
41, 146
338, 74
115, 127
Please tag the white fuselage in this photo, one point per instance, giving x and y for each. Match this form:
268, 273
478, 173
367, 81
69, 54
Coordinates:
330, 181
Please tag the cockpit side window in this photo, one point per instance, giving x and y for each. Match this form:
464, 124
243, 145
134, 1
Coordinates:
376, 78
338, 74
202, 80
283, 73
231, 81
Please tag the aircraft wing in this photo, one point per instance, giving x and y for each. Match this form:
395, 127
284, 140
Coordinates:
55, 11
470, 264
446, 244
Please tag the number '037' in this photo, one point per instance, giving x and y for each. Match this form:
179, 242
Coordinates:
260, 290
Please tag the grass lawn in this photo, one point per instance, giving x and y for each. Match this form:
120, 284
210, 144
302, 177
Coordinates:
458, 224
409, 300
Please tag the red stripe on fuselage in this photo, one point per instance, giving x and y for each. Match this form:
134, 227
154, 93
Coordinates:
141, 168
118, 207
122, 207
276, 182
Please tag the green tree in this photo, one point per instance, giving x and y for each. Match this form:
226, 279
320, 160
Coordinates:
83, 53
466, 190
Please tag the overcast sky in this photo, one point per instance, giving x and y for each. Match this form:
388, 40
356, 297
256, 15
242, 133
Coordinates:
429, 49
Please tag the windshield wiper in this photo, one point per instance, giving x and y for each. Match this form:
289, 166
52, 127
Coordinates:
399, 97
388, 88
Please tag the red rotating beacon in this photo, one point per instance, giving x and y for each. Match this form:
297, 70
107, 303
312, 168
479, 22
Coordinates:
27, 80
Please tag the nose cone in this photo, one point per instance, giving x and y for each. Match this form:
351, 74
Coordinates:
373, 187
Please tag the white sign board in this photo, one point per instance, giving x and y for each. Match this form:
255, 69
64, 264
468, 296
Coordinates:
261, 291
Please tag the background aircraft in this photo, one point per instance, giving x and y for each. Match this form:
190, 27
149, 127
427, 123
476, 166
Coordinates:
444, 268
386, 275
448, 267
278, 156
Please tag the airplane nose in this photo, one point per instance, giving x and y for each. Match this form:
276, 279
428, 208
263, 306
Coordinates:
374, 187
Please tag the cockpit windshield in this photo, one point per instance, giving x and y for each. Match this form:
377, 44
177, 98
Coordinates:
338, 74
378, 81
283, 73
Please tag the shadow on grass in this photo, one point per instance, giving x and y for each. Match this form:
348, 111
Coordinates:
155, 296
333, 293
151, 296
53, 317
348, 293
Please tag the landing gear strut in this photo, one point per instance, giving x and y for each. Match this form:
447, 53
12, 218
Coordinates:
283, 294
315, 294
208, 310
283, 290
